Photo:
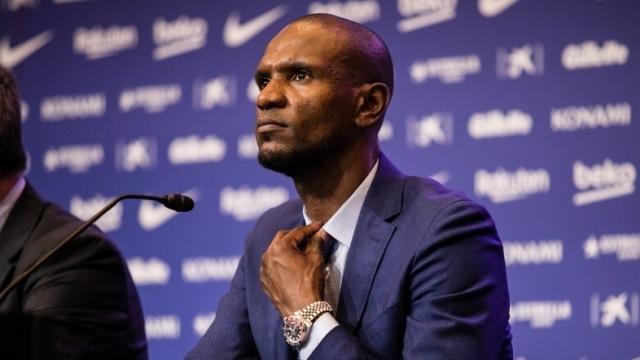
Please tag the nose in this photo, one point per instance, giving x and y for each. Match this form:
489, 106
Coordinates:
271, 96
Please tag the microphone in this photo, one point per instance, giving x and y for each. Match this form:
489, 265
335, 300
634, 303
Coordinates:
176, 202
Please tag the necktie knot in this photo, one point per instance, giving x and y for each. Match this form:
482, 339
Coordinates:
327, 249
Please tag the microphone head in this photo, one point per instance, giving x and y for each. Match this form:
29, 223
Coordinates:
178, 202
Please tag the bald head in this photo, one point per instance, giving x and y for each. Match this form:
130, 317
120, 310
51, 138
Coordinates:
364, 54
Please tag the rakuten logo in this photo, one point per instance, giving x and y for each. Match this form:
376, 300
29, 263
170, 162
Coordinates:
448, 70
195, 149
152, 271
359, 11
84, 209
99, 42
76, 158
540, 314
589, 55
574, 118
153, 98
602, 182
178, 37
625, 247
245, 203
247, 146
422, 13
532, 252
203, 269
162, 327
73, 107
495, 123
202, 322
503, 186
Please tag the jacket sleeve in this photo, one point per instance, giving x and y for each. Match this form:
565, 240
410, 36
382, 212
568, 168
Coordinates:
458, 300
229, 337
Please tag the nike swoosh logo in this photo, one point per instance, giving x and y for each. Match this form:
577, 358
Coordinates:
11, 57
152, 215
236, 34
491, 8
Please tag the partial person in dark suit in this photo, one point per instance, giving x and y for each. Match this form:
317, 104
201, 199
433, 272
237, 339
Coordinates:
369, 262
85, 289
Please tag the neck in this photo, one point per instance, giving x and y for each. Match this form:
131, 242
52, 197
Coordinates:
6, 184
325, 188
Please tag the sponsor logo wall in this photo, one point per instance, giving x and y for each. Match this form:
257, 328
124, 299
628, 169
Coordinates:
527, 106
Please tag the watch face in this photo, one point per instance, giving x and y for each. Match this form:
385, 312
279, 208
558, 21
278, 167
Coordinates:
295, 330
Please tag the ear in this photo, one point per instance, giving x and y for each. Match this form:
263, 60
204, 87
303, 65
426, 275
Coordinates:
372, 103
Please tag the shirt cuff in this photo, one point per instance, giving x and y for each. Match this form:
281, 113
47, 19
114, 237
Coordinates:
320, 328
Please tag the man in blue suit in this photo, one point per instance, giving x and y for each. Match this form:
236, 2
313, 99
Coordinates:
368, 263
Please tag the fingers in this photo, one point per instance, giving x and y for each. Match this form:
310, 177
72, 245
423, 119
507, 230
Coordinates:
297, 236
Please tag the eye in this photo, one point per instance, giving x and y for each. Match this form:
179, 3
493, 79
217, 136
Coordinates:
262, 82
300, 75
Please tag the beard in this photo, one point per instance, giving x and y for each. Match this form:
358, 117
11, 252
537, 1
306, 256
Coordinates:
304, 158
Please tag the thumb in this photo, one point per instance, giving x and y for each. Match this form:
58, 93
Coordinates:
316, 242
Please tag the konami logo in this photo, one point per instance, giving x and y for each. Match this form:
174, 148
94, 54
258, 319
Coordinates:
601, 182
532, 252
204, 269
73, 107
572, 118
162, 327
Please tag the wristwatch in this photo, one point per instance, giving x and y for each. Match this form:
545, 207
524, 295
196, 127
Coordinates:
296, 326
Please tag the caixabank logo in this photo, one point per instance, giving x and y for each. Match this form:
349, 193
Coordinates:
615, 310
604, 181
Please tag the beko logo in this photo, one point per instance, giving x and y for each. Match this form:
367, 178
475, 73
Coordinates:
152, 98
173, 38
97, 42
362, 11
158, 327
436, 128
247, 146
526, 59
621, 309
625, 247
76, 158
503, 186
574, 118
422, 13
152, 271
195, 149
86, 208
540, 314
73, 107
589, 55
202, 322
448, 70
602, 182
245, 203
495, 123
203, 269
211, 93
532, 252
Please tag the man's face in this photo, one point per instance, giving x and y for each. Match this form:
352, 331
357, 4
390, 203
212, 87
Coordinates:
306, 105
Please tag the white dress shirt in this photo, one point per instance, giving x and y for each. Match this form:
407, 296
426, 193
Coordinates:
341, 227
10, 200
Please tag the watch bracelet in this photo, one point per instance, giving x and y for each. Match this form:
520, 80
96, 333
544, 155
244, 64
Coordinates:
313, 310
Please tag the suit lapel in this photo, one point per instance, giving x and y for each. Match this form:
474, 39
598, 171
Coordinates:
372, 234
21, 221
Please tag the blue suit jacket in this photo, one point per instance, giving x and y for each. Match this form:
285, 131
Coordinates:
424, 279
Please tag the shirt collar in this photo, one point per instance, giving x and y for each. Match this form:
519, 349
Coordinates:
342, 224
12, 197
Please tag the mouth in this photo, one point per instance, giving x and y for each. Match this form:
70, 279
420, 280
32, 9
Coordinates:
267, 125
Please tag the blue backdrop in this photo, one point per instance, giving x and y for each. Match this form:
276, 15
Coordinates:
527, 106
